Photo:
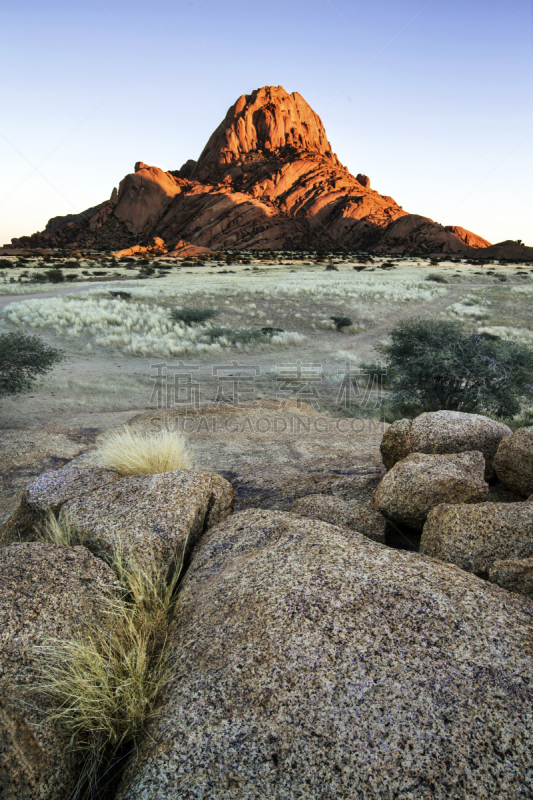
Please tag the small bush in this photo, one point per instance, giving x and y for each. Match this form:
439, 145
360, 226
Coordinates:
192, 316
436, 278
341, 322
38, 277
242, 336
71, 276
22, 359
55, 275
143, 453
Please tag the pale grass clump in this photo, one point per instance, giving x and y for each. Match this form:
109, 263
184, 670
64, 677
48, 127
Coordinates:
58, 530
105, 681
508, 333
346, 355
131, 452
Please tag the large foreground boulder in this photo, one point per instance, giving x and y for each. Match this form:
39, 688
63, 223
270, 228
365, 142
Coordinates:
151, 519
308, 663
513, 462
46, 592
48, 493
346, 514
475, 536
443, 432
414, 486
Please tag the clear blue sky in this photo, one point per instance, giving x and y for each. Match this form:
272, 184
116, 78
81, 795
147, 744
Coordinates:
432, 100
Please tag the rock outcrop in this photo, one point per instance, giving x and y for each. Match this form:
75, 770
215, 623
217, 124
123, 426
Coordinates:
153, 519
419, 482
267, 179
47, 494
46, 592
513, 462
467, 237
443, 432
343, 513
308, 662
474, 537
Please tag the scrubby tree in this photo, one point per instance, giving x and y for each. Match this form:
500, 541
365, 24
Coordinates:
436, 364
23, 358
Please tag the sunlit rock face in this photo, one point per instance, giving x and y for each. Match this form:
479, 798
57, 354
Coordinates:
267, 178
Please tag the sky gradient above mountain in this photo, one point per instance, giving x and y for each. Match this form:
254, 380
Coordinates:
431, 100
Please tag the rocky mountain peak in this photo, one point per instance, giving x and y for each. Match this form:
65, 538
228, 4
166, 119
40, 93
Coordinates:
266, 179
268, 121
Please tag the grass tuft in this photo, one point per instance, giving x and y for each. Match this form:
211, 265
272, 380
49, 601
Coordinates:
57, 530
104, 682
143, 453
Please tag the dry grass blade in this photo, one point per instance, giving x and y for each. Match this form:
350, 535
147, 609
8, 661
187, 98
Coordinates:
140, 453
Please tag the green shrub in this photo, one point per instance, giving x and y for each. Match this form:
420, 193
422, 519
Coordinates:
436, 364
341, 322
243, 336
55, 275
434, 276
22, 359
38, 277
192, 316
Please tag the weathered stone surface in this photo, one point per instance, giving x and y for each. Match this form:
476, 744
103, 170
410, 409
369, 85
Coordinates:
345, 514
46, 592
151, 518
267, 178
422, 481
26, 454
310, 664
49, 492
513, 461
515, 574
467, 237
443, 432
274, 456
475, 536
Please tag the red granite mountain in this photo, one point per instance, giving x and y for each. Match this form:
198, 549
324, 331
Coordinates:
266, 179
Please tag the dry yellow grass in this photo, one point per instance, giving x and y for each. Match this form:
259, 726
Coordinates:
140, 453
104, 682
57, 530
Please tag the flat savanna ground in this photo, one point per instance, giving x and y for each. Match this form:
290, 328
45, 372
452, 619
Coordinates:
271, 341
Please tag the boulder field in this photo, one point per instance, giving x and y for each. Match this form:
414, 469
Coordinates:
306, 657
